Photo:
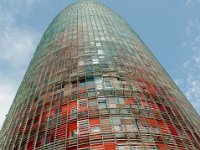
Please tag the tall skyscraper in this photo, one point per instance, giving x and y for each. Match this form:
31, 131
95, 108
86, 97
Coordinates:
93, 85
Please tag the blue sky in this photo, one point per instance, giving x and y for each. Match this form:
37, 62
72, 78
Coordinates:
170, 28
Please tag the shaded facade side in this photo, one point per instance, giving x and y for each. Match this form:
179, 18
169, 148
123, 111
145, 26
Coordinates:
93, 84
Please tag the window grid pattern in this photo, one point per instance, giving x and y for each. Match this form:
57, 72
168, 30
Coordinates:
93, 84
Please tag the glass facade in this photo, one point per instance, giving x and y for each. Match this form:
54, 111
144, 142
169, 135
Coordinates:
93, 85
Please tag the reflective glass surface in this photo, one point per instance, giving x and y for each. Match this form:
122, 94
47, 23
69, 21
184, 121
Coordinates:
93, 84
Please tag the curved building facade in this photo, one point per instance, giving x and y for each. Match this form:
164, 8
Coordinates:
92, 84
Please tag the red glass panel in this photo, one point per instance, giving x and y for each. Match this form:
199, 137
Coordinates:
110, 146
94, 121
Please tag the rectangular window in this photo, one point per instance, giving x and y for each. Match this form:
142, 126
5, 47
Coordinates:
99, 82
82, 103
98, 44
101, 103
74, 133
116, 124
100, 52
95, 129
121, 147
112, 102
91, 93
89, 68
103, 65
82, 94
95, 61
92, 43
92, 103
83, 126
90, 83
120, 100
82, 83
117, 128
116, 121
108, 84
81, 63
102, 38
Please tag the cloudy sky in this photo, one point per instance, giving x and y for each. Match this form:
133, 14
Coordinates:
170, 28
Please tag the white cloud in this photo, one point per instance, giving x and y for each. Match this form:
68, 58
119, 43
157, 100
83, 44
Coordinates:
191, 66
190, 1
6, 18
193, 90
7, 93
21, 3
16, 41
17, 44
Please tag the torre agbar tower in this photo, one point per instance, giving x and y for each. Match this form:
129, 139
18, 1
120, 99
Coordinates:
92, 84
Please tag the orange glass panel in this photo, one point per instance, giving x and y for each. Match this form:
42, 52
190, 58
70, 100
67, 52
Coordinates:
110, 146
94, 121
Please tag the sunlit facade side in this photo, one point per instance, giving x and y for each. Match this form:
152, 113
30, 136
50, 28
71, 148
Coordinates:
93, 85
